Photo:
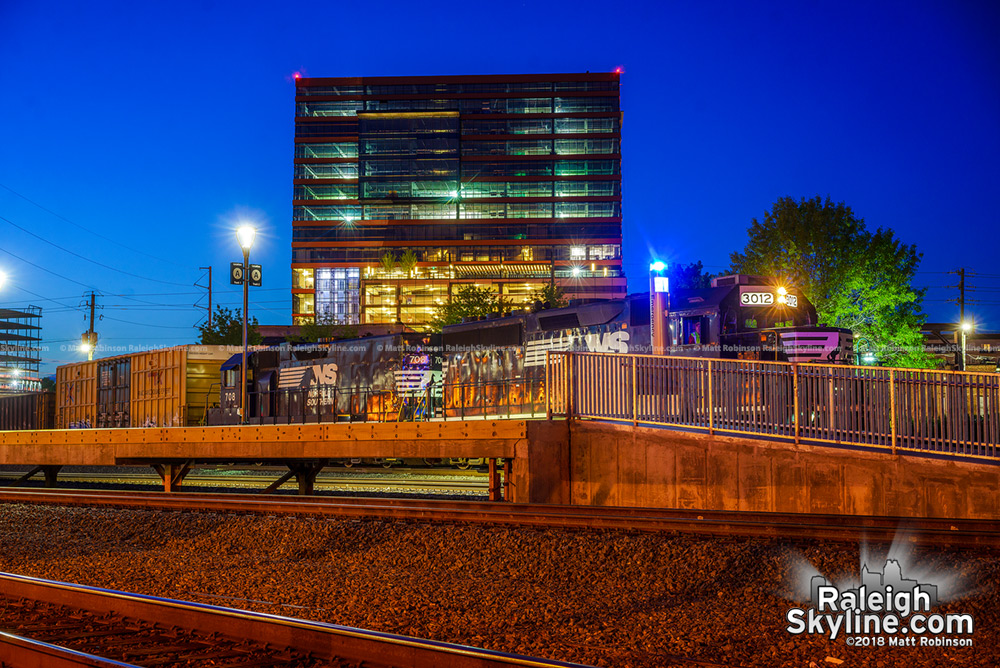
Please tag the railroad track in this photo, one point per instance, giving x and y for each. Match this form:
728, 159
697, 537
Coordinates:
932, 532
56, 624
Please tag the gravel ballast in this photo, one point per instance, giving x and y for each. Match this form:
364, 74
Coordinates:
609, 598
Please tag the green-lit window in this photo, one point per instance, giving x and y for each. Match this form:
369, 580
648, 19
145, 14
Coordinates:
429, 189
484, 189
332, 108
327, 191
542, 126
530, 105
430, 211
530, 210
387, 211
332, 150
577, 105
344, 212
529, 189
338, 170
533, 147
584, 167
585, 125
587, 209
587, 188
483, 210
582, 146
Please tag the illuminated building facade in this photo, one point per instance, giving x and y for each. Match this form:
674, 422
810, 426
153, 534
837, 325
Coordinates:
20, 349
407, 188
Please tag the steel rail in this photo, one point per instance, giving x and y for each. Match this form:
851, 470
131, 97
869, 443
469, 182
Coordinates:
317, 639
935, 532
24, 652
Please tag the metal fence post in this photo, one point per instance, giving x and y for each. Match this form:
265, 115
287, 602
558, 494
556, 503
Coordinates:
635, 391
711, 407
795, 400
548, 385
892, 408
569, 385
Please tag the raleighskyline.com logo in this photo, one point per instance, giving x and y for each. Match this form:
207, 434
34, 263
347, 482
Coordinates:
885, 609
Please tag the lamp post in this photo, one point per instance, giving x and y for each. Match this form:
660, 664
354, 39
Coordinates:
966, 327
659, 305
245, 236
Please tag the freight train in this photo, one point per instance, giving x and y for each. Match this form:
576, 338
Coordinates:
491, 364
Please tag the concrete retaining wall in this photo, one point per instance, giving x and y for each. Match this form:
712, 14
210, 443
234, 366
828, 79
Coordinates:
621, 465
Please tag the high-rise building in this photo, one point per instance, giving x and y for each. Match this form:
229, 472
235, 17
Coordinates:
20, 351
408, 188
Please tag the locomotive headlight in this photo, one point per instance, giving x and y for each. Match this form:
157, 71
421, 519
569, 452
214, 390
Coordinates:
782, 292
781, 298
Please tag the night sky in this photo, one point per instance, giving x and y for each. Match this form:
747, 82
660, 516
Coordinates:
142, 133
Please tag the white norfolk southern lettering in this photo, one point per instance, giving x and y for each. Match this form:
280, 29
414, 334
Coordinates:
611, 342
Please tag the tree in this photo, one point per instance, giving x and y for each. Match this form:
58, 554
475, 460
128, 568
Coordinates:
553, 295
48, 384
856, 279
470, 302
323, 328
408, 262
388, 262
688, 276
227, 329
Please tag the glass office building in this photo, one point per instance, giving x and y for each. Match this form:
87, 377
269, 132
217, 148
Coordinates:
407, 188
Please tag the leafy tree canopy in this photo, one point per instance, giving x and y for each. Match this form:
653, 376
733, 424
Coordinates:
322, 329
553, 295
227, 329
470, 302
857, 279
688, 276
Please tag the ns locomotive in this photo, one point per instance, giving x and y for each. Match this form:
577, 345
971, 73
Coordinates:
497, 364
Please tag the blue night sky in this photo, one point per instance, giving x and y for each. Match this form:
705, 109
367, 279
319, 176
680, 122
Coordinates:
157, 125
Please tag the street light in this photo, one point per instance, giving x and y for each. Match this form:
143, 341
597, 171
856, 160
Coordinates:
245, 235
966, 328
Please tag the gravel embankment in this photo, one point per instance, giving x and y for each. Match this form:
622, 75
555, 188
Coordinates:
609, 599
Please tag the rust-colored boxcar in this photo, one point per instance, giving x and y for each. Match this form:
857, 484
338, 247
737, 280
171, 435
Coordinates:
76, 395
169, 387
27, 411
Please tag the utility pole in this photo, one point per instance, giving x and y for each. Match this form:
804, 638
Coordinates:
199, 285
89, 338
961, 296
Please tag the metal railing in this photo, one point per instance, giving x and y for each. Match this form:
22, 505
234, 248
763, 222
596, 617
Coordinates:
946, 412
328, 403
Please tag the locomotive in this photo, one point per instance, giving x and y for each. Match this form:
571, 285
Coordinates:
493, 364
497, 363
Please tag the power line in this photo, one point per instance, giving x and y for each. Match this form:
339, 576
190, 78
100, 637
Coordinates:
83, 257
49, 271
77, 225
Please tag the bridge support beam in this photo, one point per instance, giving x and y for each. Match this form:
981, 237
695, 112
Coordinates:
172, 475
305, 473
51, 476
494, 485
